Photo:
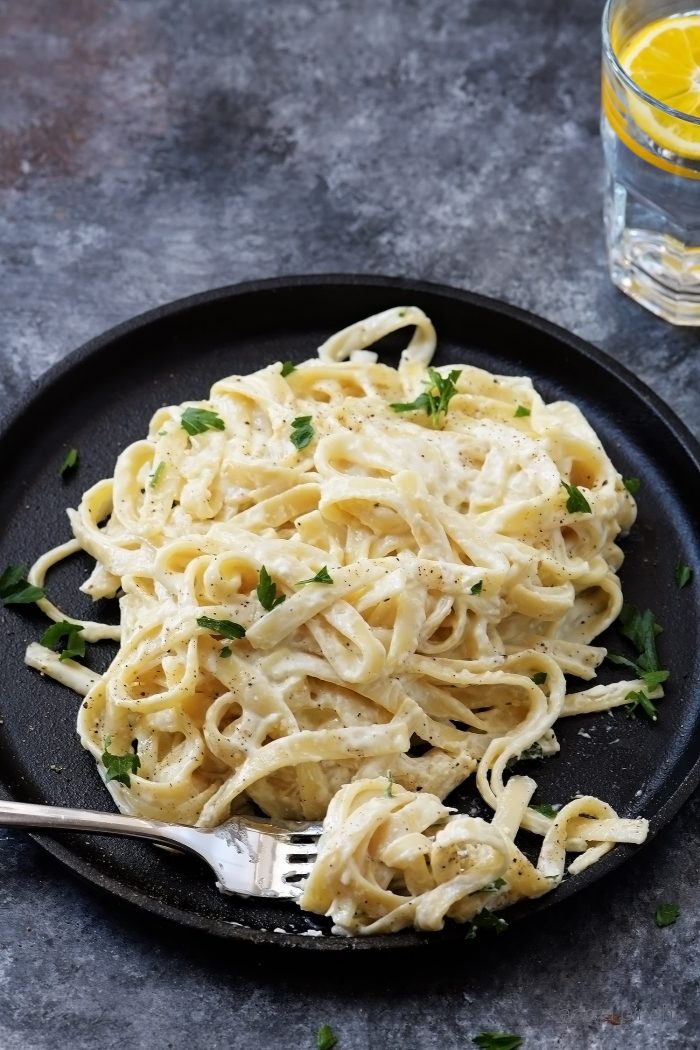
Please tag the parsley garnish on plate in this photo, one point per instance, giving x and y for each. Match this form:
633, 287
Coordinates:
267, 591
641, 628
302, 432
326, 1038
287, 368
75, 643
197, 420
545, 809
576, 502
477, 587
15, 588
435, 405
666, 914
119, 767
521, 410
70, 462
486, 920
497, 1041
632, 485
322, 576
539, 677
683, 575
224, 628
157, 475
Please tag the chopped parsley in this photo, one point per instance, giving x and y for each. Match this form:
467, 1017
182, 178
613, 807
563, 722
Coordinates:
287, 368
70, 462
225, 652
75, 643
302, 432
539, 677
666, 915
486, 920
684, 574
632, 485
545, 809
534, 751
496, 885
267, 591
521, 410
224, 628
477, 587
638, 698
157, 475
15, 589
321, 576
326, 1038
389, 791
197, 420
119, 767
641, 629
497, 1041
435, 405
576, 502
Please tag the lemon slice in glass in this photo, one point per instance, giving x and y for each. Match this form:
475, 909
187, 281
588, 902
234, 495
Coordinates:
663, 58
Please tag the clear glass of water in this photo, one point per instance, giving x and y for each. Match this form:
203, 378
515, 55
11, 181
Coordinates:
652, 151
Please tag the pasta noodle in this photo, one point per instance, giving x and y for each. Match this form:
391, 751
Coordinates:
345, 589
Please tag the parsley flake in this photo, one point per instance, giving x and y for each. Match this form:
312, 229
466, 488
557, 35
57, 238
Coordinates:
496, 885
641, 628
321, 576
576, 502
486, 920
119, 767
224, 628
539, 677
666, 915
15, 588
545, 809
638, 698
521, 410
75, 643
267, 591
497, 1041
326, 1038
287, 368
225, 652
632, 485
157, 475
70, 462
684, 575
435, 405
197, 420
302, 432
477, 587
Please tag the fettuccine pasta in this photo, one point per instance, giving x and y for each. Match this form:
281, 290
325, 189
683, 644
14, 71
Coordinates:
344, 589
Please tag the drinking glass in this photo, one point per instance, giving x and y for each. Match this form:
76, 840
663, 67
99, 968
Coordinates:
652, 153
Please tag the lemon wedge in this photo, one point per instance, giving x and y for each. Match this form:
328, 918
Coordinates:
663, 58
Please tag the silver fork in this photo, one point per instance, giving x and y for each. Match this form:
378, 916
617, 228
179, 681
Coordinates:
250, 857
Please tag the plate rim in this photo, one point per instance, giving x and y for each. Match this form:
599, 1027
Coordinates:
104, 882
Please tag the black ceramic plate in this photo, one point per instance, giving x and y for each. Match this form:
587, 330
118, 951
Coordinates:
102, 397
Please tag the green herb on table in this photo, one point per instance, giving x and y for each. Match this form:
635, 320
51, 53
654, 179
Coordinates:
267, 591
197, 420
70, 462
576, 502
119, 767
683, 574
436, 399
302, 432
638, 698
224, 628
326, 1038
486, 920
497, 1041
666, 914
15, 588
322, 576
521, 410
75, 643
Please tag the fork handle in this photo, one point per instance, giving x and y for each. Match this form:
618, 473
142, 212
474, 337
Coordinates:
29, 815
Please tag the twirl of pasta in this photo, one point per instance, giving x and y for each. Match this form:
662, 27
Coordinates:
428, 588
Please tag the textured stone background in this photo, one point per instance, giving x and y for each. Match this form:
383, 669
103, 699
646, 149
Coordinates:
153, 148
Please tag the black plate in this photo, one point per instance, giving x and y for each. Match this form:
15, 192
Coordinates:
102, 397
